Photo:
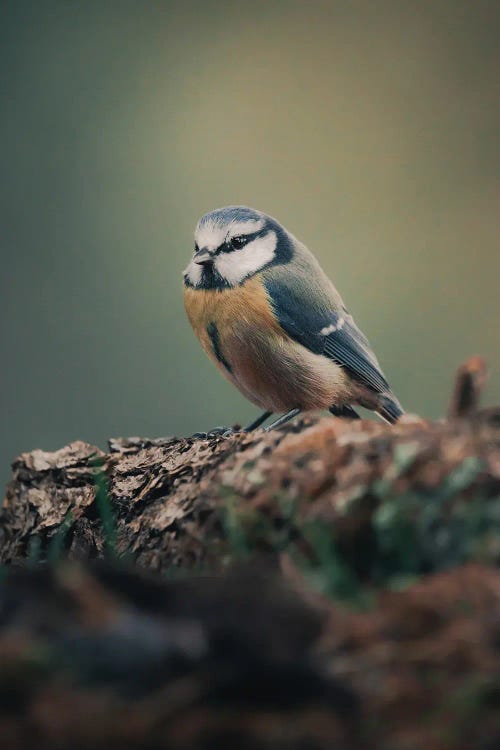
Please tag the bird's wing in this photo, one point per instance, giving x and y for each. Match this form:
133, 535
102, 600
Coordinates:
325, 330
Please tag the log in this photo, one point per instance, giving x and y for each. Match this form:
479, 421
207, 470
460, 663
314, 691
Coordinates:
331, 584
198, 502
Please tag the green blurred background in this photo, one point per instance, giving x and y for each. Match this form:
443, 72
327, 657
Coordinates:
370, 129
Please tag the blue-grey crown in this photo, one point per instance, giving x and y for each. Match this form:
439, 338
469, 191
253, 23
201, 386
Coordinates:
228, 214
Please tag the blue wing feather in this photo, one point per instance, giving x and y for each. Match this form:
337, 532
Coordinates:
350, 349
345, 344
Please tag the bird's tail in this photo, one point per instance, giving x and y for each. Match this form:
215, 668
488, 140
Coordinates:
389, 408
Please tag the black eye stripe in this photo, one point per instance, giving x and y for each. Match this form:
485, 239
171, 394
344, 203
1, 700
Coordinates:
228, 248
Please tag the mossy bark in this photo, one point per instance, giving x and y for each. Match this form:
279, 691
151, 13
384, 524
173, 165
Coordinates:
343, 588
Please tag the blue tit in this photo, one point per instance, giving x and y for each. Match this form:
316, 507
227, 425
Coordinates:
272, 321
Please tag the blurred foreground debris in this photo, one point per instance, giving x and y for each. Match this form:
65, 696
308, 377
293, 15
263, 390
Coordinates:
97, 657
334, 584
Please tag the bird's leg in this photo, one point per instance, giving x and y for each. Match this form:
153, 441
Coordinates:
257, 422
344, 411
283, 419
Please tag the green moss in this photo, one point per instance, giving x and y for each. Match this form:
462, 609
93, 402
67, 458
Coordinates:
326, 568
57, 544
406, 536
106, 513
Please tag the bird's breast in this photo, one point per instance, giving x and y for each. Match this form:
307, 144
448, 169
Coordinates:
240, 333
226, 314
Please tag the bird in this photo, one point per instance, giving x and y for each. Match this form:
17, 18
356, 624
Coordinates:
269, 317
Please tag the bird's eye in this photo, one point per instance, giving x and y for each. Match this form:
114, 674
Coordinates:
237, 242
196, 248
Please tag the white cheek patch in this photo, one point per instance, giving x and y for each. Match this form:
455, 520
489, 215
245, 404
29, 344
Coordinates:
237, 265
211, 236
193, 273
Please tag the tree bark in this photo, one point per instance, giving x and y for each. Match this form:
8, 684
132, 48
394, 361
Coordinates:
175, 501
353, 595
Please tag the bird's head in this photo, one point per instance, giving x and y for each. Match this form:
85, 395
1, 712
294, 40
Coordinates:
232, 244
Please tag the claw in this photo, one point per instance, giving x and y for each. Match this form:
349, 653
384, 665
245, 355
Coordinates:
216, 432
220, 431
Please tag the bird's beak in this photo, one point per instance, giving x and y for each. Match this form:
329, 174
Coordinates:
203, 257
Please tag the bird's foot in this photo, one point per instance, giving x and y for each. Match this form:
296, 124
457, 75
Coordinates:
216, 432
346, 412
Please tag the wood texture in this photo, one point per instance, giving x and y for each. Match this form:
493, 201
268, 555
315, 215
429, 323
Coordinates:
343, 588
